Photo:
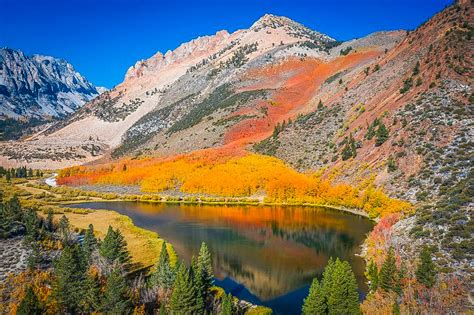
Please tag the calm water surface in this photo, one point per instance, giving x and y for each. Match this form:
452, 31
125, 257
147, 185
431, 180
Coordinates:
262, 254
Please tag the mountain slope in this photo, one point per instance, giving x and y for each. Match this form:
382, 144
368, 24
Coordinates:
421, 91
222, 90
40, 86
196, 68
391, 111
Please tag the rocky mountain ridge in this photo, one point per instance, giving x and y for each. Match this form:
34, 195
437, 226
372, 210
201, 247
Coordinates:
40, 87
198, 67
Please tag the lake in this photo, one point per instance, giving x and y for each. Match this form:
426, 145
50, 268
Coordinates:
267, 255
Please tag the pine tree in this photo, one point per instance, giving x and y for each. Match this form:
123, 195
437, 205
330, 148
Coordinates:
8, 176
30, 305
114, 247
402, 274
373, 276
89, 244
227, 302
30, 173
164, 274
5, 221
92, 294
183, 299
388, 277
64, 229
49, 224
346, 152
343, 297
381, 135
13, 209
116, 295
426, 272
326, 286
205, 269
416, 69
69, 270
314, 302
31, 222
198, 282
37, 173
34, 257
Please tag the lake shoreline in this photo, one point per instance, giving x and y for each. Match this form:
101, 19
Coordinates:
230, 203
221, 200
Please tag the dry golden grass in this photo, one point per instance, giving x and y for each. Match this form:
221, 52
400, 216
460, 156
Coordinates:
144, 245
36, 191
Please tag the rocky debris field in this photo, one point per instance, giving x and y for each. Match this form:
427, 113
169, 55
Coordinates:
49, 154
13, 256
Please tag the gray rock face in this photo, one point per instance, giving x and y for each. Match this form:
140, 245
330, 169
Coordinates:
40, 86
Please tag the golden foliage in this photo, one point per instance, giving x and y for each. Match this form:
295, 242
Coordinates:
13, 290
239, 176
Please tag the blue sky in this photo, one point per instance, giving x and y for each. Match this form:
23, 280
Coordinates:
103, 38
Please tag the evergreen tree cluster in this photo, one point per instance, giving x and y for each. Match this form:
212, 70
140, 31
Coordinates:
280, 128
21, 172
82, 285
426, 272
390, 278
350, 148
114, 248
336, 293
92, 275
378, 130
15, 220
191, 287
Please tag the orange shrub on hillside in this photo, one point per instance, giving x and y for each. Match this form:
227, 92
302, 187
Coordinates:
233, 176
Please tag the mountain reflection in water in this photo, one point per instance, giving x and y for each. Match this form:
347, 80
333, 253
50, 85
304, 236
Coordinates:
265, 252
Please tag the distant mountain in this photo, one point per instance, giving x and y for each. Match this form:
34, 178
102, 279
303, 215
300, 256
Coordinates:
40, 87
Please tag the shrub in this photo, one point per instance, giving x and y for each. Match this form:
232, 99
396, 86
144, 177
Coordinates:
407, 85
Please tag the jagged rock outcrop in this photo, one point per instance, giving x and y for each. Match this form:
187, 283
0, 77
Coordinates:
40, 86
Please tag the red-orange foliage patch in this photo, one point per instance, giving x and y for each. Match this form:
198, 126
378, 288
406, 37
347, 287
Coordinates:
296, 82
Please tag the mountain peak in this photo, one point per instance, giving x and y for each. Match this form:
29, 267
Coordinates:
272, 21
295, 29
